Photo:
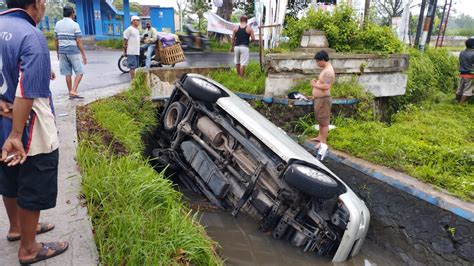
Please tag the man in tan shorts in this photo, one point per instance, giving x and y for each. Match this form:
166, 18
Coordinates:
322, 95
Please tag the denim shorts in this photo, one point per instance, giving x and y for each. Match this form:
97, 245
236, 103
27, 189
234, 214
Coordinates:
70, 62
34, 183
132, 61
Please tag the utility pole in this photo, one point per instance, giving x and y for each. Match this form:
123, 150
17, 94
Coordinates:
420, 22
428, 25
433, 15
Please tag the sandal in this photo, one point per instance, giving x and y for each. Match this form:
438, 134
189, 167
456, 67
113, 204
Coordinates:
75, 96
43, 253
44, 227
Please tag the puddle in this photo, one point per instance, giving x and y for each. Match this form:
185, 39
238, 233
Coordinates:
242, 243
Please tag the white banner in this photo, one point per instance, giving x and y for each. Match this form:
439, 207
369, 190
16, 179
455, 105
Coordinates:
219, 25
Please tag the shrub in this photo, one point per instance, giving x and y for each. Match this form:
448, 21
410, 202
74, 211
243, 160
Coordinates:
446, 69
343, 32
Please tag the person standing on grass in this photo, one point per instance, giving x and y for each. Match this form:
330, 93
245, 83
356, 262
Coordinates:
322, 95
131, 45
71, 53
466, 69
28, 133
240, 43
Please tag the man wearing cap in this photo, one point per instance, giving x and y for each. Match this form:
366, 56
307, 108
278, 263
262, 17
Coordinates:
71, 53
131, 45
241, 40
149, 37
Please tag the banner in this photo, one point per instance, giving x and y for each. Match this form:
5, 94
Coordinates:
219, 25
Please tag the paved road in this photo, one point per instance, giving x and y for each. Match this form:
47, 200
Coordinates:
102, 70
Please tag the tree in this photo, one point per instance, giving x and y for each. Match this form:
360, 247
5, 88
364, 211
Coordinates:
134, 7
199, 7
389, 8
224, 11
247, 6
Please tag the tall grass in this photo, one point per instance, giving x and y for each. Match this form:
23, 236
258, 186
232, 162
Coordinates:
127, 116
253, 82
138, 218
111, 43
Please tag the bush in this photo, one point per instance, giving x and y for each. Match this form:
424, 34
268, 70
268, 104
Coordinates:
446, 69
431, 74
343, 32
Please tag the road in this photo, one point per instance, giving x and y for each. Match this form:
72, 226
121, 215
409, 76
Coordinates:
102, 71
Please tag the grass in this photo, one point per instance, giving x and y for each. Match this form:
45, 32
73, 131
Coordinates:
50, 38
138, 218
215, 46
433, 143
111, 43
253, 82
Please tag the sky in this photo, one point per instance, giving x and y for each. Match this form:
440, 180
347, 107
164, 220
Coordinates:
461, 6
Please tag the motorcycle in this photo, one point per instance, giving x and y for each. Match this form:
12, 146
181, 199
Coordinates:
123, 62
194, 40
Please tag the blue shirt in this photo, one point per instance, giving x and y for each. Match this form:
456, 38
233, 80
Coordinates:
67, 31
25, 71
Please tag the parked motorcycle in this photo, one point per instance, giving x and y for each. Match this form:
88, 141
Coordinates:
194, 40
123, 62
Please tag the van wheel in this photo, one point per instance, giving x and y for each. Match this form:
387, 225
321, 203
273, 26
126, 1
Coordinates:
173, 116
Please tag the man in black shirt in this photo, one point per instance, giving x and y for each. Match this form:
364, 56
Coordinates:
466, 69
241, 40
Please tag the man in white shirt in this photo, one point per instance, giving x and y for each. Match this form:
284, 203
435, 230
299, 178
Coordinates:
131, 45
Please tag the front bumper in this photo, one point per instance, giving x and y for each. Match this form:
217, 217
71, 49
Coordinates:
356, 230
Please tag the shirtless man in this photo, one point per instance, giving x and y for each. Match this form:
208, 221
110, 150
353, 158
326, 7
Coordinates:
322, 95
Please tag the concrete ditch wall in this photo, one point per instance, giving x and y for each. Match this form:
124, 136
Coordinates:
383, 76
161, 80
417, 223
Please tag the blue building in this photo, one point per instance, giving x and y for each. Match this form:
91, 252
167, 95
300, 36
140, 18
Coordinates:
101, 19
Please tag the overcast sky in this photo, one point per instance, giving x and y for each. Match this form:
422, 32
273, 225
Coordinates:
461, 6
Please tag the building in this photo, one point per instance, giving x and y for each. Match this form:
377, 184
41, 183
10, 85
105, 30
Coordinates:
101, 19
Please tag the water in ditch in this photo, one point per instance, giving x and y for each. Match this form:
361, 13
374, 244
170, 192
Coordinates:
242, 243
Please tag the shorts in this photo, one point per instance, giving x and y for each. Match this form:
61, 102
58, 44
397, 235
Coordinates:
132, 61
465, 87
241, 55
70, 62
34, 183
322, 109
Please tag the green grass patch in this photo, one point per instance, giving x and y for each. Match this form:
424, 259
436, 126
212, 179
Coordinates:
111, 43
433, 143
128, 115
138, 218
215, 46
253, 82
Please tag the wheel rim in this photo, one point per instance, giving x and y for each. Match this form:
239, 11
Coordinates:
171, 117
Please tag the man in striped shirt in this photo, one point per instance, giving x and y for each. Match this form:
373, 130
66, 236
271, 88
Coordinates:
70, 48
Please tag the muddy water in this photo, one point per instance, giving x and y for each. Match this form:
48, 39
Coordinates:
242, 243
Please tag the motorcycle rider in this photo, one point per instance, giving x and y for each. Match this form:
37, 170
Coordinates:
149, 38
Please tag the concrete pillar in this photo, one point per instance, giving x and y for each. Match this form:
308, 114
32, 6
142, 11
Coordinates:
97, 17
126, 14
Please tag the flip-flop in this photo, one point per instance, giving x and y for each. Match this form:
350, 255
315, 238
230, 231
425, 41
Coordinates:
44, 227
75, 96
43, 253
